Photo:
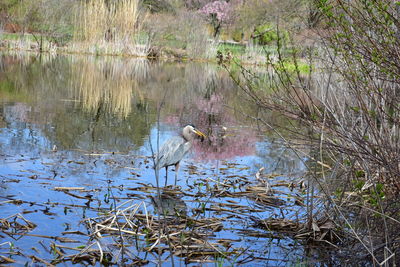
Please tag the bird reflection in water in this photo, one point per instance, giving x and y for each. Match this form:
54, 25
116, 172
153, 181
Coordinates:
169, 204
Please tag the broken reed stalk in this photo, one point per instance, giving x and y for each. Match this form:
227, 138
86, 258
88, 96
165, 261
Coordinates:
122, 242
189, 237
171, 237
6, 223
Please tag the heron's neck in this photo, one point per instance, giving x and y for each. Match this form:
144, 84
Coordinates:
187, 137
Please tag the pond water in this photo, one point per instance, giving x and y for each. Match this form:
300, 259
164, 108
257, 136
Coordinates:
90, 124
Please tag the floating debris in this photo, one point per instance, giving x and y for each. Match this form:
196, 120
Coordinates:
68, 188
277, 224
17, 223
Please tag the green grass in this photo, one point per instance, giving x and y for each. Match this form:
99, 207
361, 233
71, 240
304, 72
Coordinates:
303, 68
235, 49
17, 36
172, 42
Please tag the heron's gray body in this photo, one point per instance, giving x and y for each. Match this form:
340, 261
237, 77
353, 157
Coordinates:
175, 148
172, 152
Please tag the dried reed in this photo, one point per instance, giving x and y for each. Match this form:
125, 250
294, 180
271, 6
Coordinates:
111, 27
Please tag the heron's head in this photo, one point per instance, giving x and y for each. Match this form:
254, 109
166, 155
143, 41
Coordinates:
190, 132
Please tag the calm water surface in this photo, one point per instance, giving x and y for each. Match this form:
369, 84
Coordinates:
73, 121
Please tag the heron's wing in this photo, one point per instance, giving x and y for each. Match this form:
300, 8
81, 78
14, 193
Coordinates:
172, 151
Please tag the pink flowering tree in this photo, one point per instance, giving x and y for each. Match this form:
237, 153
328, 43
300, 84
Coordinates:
218, 13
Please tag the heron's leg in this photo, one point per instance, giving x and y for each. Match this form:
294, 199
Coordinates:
166, 175
176, 172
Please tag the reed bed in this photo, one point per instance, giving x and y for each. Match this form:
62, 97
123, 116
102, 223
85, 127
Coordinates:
110, 28
188, 225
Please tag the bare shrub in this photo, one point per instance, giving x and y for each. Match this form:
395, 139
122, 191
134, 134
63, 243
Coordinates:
346, 108
184, 30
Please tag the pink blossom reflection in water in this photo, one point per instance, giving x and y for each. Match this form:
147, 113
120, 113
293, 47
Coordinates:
213, 105
225, 144
225, 138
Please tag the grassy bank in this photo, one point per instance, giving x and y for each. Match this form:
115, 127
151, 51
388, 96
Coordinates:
141, 47
179, 30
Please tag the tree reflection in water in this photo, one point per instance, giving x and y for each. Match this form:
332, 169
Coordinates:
226, 137
111, 103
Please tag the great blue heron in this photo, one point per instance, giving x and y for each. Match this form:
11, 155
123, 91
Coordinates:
175, 148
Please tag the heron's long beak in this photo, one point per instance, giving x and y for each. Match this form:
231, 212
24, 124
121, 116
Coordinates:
200, 134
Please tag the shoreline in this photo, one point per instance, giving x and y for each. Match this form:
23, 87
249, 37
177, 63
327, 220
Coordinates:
163, 54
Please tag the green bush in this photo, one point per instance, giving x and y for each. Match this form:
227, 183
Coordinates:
267, 35
237, 35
